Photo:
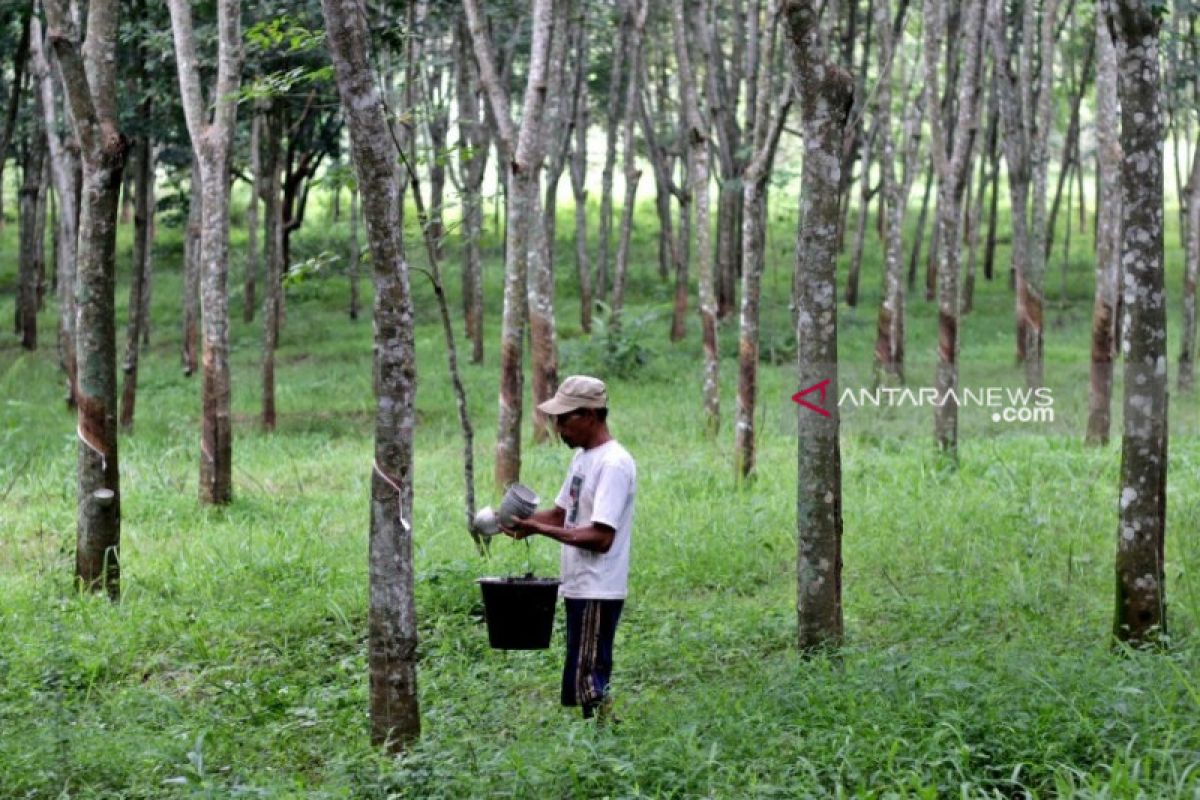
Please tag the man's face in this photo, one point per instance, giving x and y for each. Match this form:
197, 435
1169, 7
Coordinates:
574, 426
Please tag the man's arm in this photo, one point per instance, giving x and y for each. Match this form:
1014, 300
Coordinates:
555, 515
597, 537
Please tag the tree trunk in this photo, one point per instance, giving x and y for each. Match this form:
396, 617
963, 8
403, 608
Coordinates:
826, 96
1140, 614
94, 116
953, 169
579, 179
271, 188
30, 196
889, 337
697, 140
392, 637
543, 336
19, 60
212, 142
355, 250
64, 168
633, 174
860, 228
523, 151
191, 276
615, 82
915, 258
252, 219
1187, 353
143, 155
1070, 145
473, 158
768, 124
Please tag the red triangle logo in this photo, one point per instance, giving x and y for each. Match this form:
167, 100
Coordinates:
823, 388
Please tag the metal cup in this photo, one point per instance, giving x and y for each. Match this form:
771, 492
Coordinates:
519, 502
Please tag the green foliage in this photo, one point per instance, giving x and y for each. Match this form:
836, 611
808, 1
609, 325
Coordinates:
613, 353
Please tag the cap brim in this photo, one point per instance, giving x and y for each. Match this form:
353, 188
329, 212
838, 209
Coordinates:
554, 407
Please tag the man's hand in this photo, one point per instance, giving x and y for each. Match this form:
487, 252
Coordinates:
521, 528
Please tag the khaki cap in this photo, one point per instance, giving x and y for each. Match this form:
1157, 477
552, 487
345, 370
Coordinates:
577, 391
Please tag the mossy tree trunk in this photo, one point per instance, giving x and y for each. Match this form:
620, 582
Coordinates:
1140, 615
89, 76
826, 95
392, 638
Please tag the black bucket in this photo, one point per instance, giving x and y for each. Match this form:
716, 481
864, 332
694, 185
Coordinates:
519, 611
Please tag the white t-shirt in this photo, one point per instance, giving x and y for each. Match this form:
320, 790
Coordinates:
601, 486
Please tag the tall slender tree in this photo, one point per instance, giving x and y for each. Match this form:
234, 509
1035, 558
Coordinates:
1140, 614
90, 81
826, 94
64, 166
474, 144
768, 125
392, 638
29, 203
952, 163
1108, 237
523, 150
212, 140
697, 138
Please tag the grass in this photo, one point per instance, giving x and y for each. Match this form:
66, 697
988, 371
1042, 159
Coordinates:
977, 600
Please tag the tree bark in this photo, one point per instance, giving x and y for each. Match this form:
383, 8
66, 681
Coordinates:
953, 167
1108, 238
392, 638
523, 151
252, 249
581, 124
19, 59
28, 203
271, 187
633, 174
474, 144
1140, 614
143, 156
355, 251
826, 96
212, 141
889, 336
615, 82
191, 272
1187, 353
64, 166
89, 80
543, 335
768, 125
697, 140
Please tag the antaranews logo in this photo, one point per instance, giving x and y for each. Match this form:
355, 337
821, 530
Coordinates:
1007, 404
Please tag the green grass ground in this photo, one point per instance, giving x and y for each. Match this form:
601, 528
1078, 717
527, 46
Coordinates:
978, 600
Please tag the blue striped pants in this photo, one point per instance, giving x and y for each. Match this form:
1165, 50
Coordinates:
591, 627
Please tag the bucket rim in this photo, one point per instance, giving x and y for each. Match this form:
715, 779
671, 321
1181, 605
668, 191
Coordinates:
517, 580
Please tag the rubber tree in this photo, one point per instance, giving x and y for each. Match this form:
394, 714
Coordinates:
1140, 614
523, 150
696, 135
826, 94
1108, 238
764, 139
212, 142
392, 637
952, 163
64, 166
89, 74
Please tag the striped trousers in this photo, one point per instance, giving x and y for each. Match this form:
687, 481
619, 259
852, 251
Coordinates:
591, 627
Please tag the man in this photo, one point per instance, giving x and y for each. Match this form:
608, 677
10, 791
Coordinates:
592, 518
